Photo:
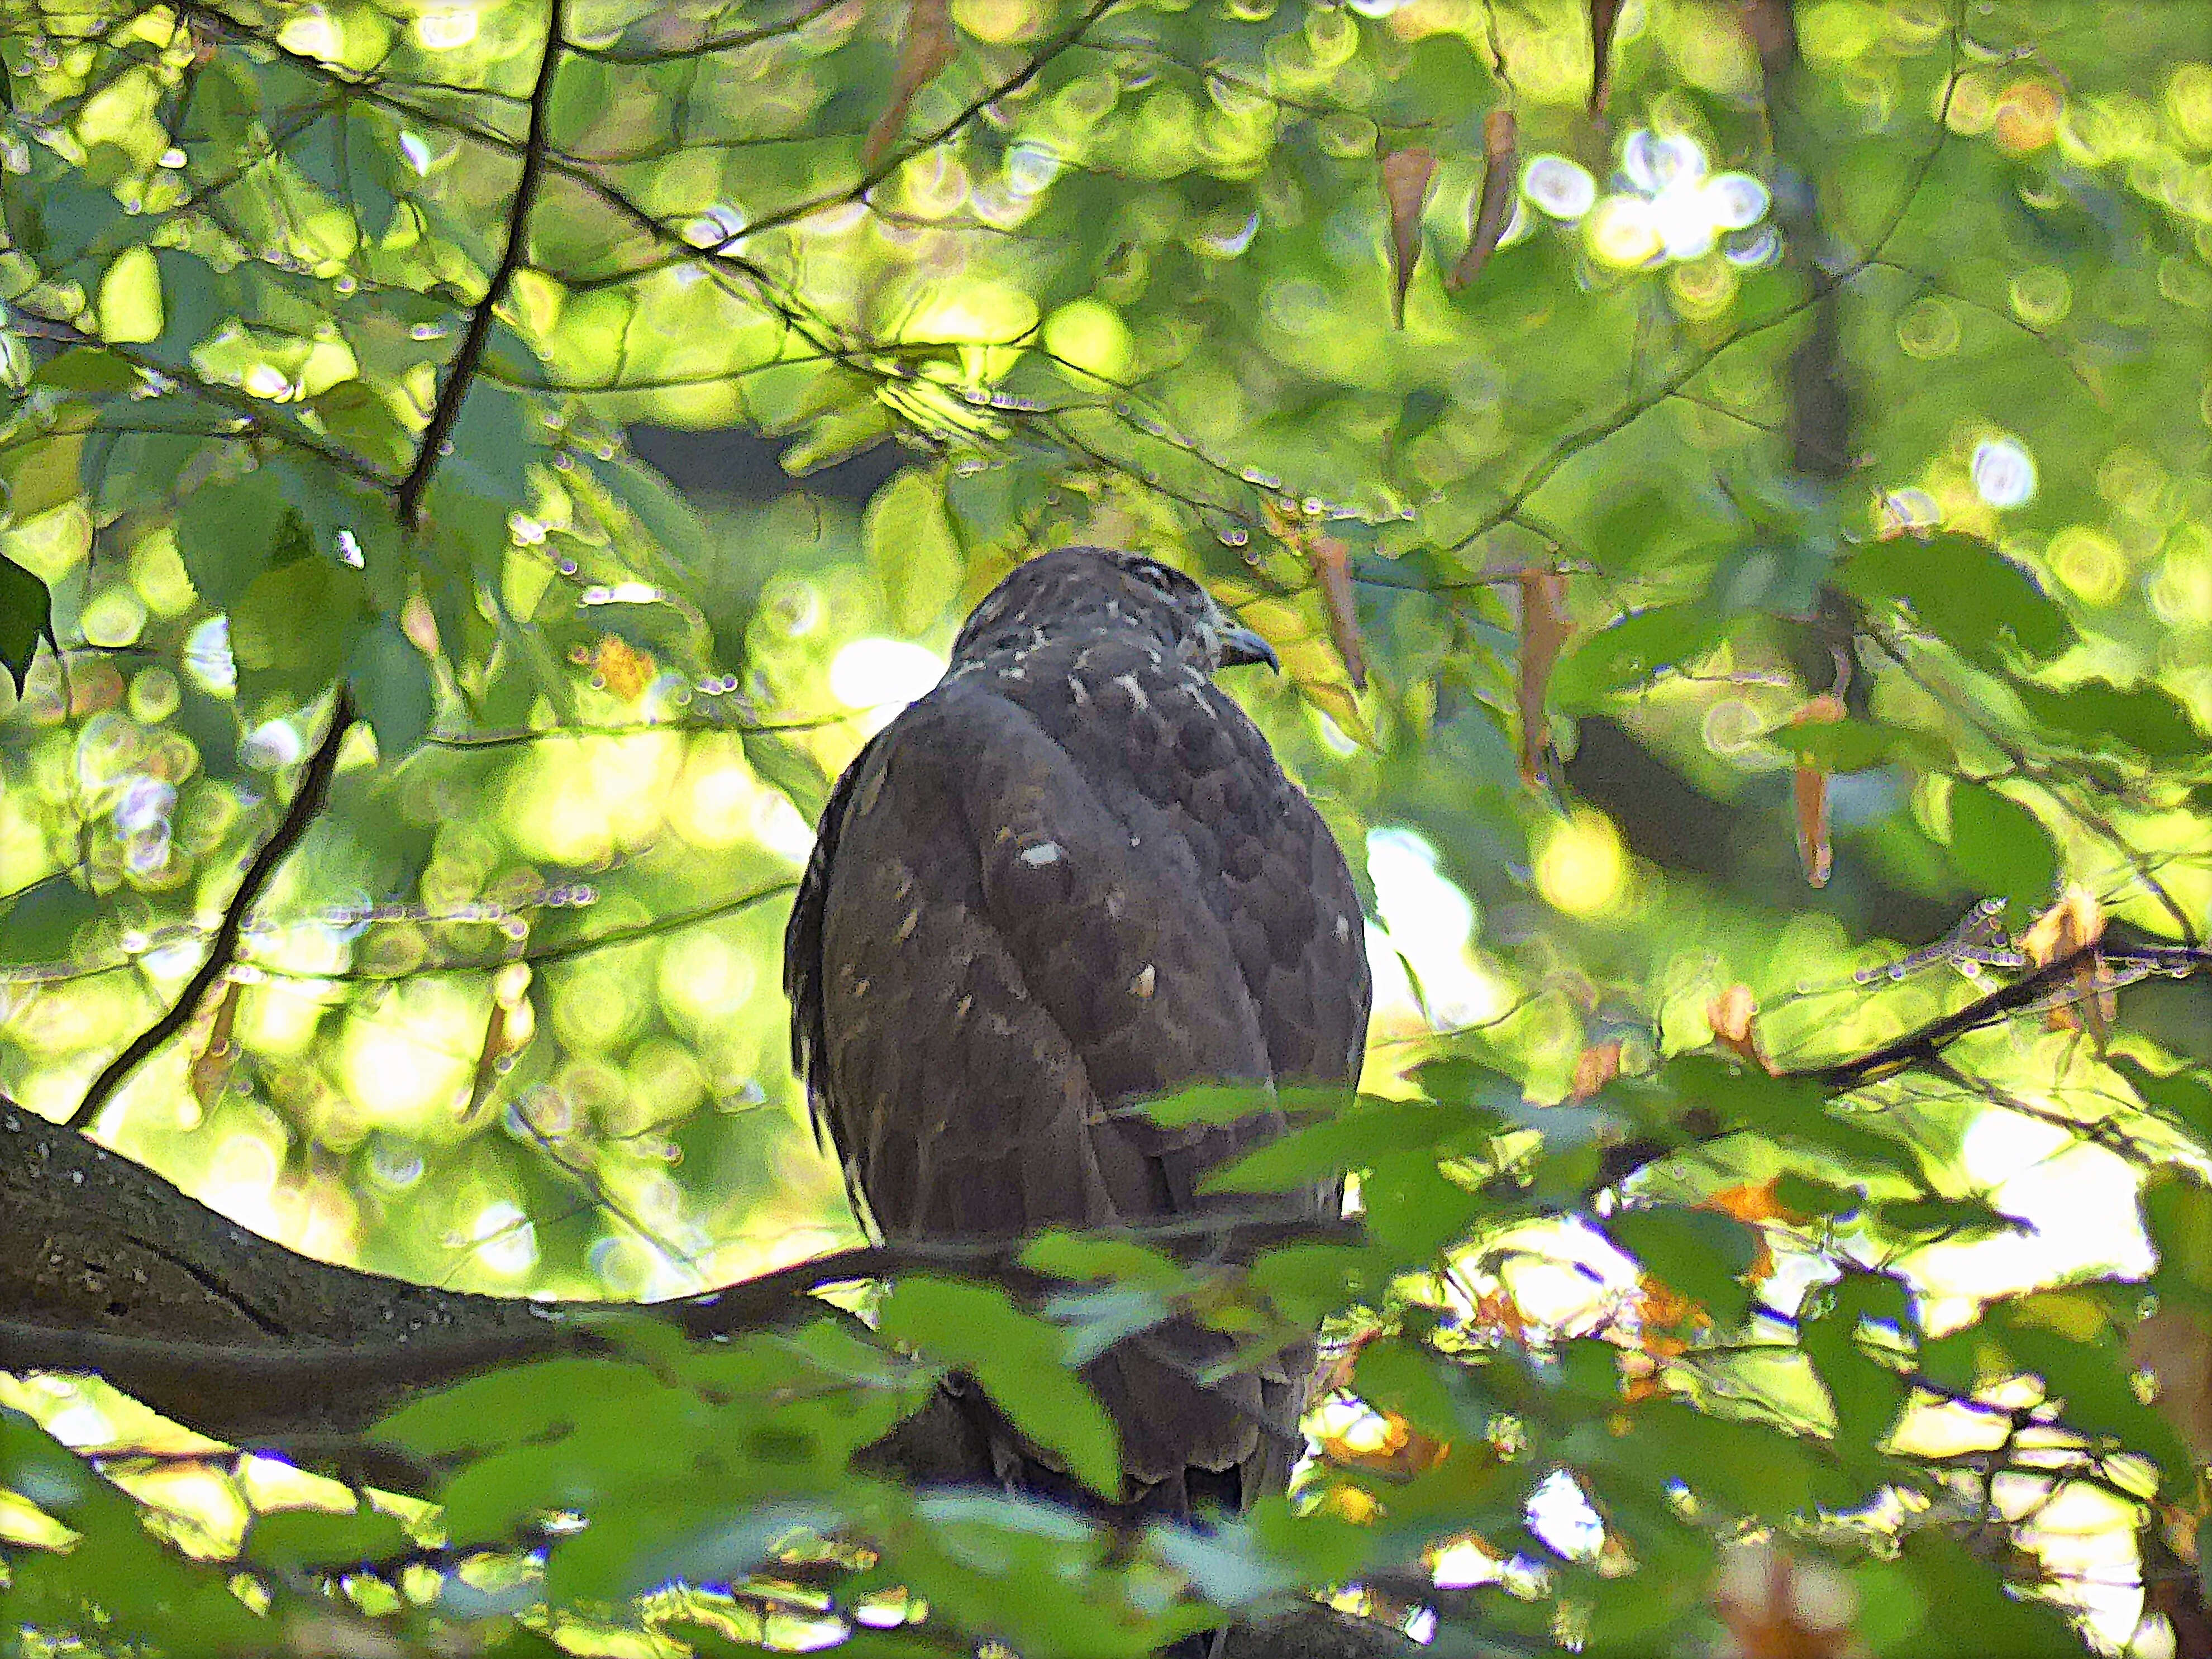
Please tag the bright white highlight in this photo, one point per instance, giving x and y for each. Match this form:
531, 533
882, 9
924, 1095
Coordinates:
879, 673
1429, 923
1562, 188
2004, 472
1674, 208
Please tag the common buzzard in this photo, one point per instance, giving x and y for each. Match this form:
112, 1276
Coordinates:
1072, 877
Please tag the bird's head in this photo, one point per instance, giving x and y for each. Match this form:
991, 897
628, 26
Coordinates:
1079, 590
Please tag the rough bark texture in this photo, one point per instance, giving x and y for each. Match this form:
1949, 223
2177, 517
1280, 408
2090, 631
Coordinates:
104, 1267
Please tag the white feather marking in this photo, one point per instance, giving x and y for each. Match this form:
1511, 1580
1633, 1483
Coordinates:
1044, 853
1129, 682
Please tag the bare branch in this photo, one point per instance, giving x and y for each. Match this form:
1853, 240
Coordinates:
1925, 1046
461, 372
223, 952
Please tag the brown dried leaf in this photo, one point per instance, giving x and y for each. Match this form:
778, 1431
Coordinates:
2077, 920
212, 1065
623, 669
2175, 1345
1405, 175
1404, 1451
925, 48
1597, 1066
1733, 1016
1501, 149
1815, 852
1544, 631
1603, 15
488, 1059
1331, 563
1775, 1607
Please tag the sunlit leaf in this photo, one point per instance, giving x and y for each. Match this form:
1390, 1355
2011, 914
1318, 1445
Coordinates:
2003, 844
1017, 1360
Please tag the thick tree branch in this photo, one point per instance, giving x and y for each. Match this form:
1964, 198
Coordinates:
105, 1267
222, 951
461, 372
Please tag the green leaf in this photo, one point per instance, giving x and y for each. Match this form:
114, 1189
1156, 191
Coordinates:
226, 533
1853, 745
1088, 1257
2178, 1216
1352, 1140
279, 659
1794, 1110
27, 616
42, 475
915, 557
2002, 847
2072, 1340
89, 369
1963, 591
1205, 1102
1749, 1468
1633, 650
1959, 1218
141, 1587
1867, 1394
1404, 1375
1016, 1358
520, 1403
1803, 1195
392, 683
1969, 1614
2185, 1095
1699, 1253
2095, 713
665, 516
288, 1541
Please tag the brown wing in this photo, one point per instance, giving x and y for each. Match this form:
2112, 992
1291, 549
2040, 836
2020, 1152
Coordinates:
1003, 933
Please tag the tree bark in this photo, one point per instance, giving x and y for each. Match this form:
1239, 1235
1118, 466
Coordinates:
106, 1267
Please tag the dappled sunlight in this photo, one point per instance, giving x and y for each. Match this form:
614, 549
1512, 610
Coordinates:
1724, 485
1426, 925
880, 676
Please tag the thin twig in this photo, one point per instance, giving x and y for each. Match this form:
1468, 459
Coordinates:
461, 372
1925, 1046
223, 952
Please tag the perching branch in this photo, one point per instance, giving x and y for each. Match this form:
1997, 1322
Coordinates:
105, 1267
222, 951
461, 372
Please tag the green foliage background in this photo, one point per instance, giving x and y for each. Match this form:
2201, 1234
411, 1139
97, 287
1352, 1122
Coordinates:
323, 326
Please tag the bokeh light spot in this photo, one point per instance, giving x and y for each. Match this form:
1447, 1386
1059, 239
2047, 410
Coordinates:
1582, 868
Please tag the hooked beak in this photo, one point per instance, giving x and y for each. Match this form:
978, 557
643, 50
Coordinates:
1240, 646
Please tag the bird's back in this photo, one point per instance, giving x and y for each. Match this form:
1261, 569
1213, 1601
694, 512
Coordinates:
1073, 876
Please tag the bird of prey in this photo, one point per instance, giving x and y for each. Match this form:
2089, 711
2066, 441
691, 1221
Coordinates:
1070, 877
